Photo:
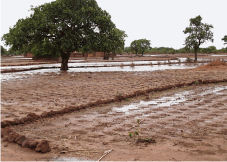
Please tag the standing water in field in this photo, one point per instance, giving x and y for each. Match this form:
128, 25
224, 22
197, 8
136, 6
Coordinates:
25, 74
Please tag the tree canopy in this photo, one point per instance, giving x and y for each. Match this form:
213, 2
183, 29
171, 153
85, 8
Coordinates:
110, 42
199, 33
62, 27
140, 45
135, 46
225, 40
3, 50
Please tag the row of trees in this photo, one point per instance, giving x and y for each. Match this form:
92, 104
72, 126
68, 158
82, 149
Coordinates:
167, 50
198, 34
6, 52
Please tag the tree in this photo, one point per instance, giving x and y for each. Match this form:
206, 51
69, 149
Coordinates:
112, 41
199, 33
3, 51
225, 40
127, 50
140, 45
144, 45
62, 26
117, 38
135, 46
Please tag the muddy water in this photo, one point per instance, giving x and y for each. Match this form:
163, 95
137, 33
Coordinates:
76, 64
174, 100
25, 74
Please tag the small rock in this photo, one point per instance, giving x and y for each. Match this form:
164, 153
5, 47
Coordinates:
43, 146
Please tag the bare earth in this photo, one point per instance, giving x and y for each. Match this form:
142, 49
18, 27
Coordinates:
193, 129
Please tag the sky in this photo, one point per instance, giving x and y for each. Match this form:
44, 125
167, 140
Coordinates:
160, 21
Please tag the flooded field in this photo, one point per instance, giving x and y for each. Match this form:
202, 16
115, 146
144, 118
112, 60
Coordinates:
25, 74
83, 64
86, 113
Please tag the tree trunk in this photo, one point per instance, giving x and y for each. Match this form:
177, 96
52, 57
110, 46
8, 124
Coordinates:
195, 55
85, 56
106, 56
65, 59
113, 53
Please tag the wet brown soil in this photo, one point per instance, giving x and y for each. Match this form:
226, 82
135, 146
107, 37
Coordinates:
193, 130
43, 93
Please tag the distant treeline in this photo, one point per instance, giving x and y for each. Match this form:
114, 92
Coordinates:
167, 50
155, 50
6, 52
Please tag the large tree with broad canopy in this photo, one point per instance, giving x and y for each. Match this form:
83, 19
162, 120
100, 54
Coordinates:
62, 27
199, 33
140, 45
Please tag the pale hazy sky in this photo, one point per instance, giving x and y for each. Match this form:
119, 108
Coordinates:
160, 21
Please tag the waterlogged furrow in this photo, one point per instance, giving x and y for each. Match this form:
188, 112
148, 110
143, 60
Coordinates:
175, 100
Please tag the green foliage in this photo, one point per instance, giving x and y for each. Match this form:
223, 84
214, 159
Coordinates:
210, 49
223, 50
127, 50
137, 136
140, 46
162, 50
14, 52
196, 82
3, 51
62, 27
118, 94
136, 133
113, 41
138, 122
134, 46
225, 40
199, 33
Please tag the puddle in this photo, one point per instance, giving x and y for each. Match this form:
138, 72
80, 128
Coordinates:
69, 159
76, 61
30, 67
8, 103
16, 58
25, 74
163, 102
219, 55
215, 90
